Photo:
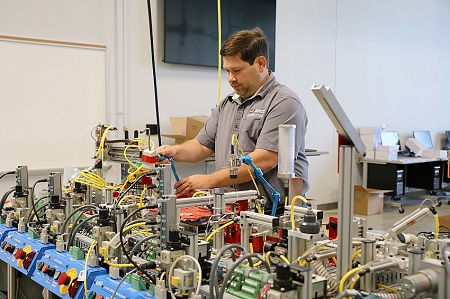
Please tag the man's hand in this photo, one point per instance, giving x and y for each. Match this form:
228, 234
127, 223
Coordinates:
187, 186
167, 150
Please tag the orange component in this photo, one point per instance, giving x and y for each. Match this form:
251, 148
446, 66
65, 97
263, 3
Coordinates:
99, 297
195, 213
45, 267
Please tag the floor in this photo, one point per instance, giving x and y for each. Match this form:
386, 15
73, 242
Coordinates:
390, 215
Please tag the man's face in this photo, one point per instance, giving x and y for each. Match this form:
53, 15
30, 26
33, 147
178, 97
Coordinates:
243, 77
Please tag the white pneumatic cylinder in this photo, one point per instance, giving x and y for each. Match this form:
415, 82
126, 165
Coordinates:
286, 151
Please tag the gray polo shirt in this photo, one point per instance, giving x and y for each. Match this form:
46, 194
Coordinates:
255, 122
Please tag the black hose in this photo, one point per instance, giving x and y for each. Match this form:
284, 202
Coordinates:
122, 245
138, 244
73, 213
32, 198
155, 85
4, 198
7, 173
77, 228
119, 198
30, 218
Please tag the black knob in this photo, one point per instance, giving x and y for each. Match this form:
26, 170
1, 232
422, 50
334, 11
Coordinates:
50, 271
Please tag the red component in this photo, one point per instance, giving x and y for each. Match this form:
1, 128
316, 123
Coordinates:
74, 288
147, 181
232, 234
258, 244
28, 259
150, 159
20, 254
115, 194
332, 228
63, 279
195, 213
237, 207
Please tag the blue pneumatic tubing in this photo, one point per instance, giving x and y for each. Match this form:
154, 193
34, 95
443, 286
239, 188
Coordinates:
172, 165
259, 174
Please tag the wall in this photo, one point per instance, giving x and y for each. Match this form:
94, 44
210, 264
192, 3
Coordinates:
386, 61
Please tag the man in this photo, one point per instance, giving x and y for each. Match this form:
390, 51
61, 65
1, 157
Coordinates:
253, 112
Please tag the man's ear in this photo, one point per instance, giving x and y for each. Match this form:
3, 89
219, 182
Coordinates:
262, 62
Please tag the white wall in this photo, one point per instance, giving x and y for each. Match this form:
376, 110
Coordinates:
388, 62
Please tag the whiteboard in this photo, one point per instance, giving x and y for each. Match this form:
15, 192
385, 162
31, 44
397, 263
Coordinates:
52, 95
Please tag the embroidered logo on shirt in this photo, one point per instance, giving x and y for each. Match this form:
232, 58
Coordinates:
255, 112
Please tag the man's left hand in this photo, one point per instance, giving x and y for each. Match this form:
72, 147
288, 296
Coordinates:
187, 186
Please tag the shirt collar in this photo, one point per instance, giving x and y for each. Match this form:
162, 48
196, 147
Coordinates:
261, 92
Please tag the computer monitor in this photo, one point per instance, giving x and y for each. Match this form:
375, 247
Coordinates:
390, 138
424, 137
448, 136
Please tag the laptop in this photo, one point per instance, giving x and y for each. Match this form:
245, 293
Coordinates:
424, 137
390, 138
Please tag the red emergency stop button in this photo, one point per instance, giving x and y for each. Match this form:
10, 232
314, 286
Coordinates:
64, 279
20, 254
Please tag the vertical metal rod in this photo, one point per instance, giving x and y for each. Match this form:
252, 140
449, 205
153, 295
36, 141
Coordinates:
345, 209
11, 274
368, 250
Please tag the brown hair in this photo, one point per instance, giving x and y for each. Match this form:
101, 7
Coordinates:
248, 44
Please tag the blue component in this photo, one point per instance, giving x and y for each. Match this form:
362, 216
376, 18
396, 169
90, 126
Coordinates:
104, 286
59, 263
19, 241
4, 230
172, 165
259, 174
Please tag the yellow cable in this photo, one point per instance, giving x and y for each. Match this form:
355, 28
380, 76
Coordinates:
219, 41
218, 229
436, 223
285, 259
234, 137
292, 208
387, 288
355, 254
345, 277
107, 247
141, 204
267, 257
200, 193
354, 281
86, 265
334, 260
303, 263
101, 147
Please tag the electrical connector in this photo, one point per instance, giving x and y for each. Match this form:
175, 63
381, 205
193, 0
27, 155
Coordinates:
160, 289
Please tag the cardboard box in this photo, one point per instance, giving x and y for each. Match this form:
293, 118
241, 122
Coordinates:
370, 155
388, 148
414, 145
368, 201
186, 128
429, 153
444, 220
369, 131
386, 156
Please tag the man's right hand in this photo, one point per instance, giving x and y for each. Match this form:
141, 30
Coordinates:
166, 150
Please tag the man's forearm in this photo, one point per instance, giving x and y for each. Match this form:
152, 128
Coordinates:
191, 151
